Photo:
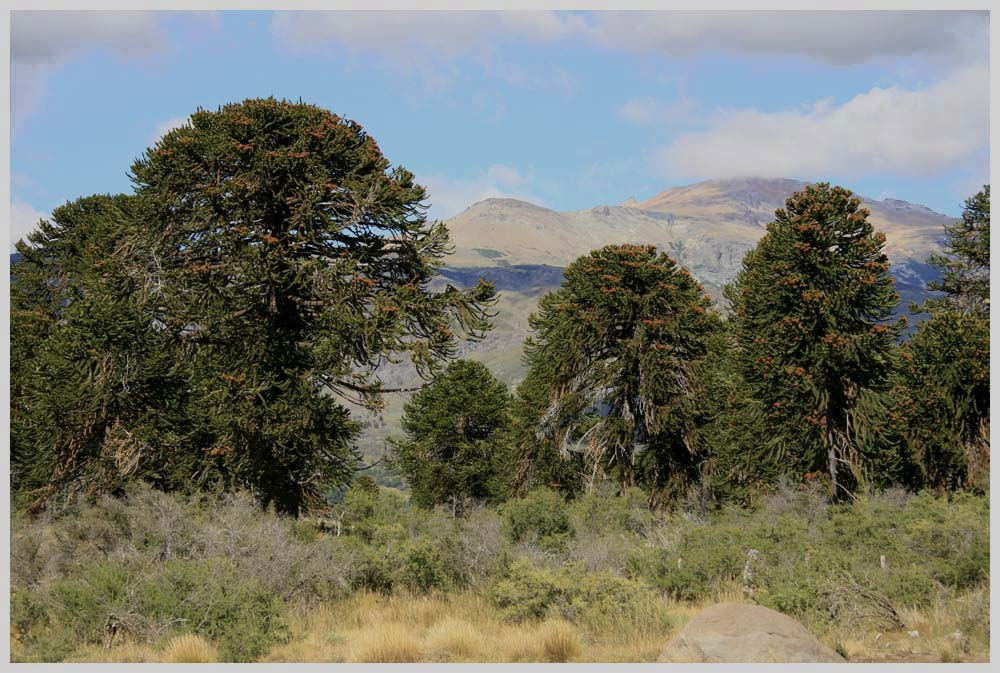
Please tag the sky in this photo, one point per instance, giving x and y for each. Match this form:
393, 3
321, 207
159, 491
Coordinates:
568, 110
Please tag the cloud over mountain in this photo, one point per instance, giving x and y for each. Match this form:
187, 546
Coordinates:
885, 130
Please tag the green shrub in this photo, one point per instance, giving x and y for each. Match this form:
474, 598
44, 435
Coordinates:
525, 591
705, 557
540, 517
601, 512
204, 597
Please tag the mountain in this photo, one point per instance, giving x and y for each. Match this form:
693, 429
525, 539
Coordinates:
707, 227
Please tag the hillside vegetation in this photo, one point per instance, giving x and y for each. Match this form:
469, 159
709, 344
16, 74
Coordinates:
199, 381
598, 579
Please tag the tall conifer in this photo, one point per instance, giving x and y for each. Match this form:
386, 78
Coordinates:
813, 308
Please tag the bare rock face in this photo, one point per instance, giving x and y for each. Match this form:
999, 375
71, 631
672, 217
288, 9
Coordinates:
736, 633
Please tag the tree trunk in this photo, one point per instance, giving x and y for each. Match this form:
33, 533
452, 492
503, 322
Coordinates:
831, 449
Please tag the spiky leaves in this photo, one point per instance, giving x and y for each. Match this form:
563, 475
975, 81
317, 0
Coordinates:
945, 381
454, 449
295, 259
945, 393
615, 348
813, 308
965, 268
94, 387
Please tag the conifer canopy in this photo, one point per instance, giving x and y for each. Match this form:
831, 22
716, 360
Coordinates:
616, 347
813, 309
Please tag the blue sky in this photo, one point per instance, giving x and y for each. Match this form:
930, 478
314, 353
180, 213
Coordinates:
565, 109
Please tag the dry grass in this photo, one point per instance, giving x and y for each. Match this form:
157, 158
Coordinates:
458, 627
559, 640
463, 627
391, 643
952, 629
123, 653
184, 649
189, 649
454, 640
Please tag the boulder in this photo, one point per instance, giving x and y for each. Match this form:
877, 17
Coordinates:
737, 633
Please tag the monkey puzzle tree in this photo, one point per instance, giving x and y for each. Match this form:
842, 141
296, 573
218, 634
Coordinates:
945, 383
93, 382
965, 269
539, 459
945, 398
813, 312
454, 449
295, 261
615, 348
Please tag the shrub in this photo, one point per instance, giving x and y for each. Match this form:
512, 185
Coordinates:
208, 598
603, 512
526, 592
540, 517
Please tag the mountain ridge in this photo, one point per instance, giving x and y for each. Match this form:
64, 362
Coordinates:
706, 226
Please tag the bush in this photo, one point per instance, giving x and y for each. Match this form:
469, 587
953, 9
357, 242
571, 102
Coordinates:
541, 517
525, 592
208, 598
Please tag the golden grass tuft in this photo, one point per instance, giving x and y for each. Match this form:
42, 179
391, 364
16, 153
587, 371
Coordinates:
519, 646
463, 626
560, 641
315, 638
454, 639
189, 649
388, 643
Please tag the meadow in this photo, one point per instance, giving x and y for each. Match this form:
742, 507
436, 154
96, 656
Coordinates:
149, 576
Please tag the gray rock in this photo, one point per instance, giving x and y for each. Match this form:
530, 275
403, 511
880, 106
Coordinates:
737, 633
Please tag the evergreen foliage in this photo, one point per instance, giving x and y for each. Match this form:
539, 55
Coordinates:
539, 460
296, 260
740, 464
965, 269
454, 449
614, 350
95, 389
277, 257
945, 382
812, 306
945, 393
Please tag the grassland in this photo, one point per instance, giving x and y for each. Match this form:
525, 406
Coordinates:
598, 579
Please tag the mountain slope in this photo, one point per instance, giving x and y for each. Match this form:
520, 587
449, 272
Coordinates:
707, 227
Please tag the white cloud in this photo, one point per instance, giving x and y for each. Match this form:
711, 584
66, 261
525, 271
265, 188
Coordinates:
837, 37
23, 220
886, 130
449, 196
504, 175
429, 44
647, 110
165, 127
48, 37
416, 34
41, 42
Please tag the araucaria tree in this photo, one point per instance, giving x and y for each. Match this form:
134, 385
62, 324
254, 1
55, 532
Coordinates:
454, 449
94, 386
281, 247
614, 352
965, 268
813, 308
945, 383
